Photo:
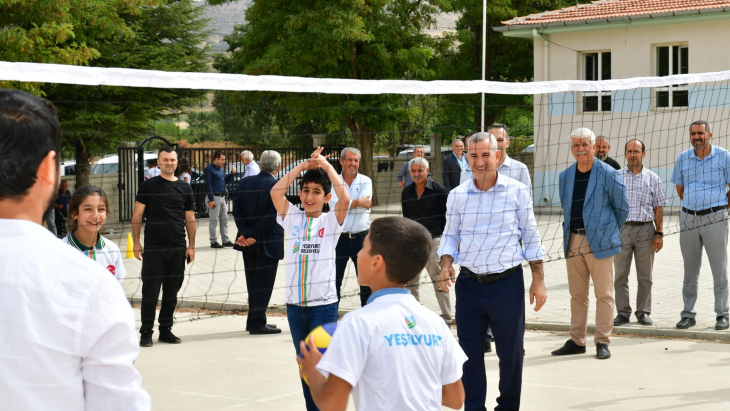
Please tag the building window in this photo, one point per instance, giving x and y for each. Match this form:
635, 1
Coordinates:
671, 60
597, 66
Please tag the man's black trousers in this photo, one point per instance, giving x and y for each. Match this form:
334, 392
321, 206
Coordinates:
162, 266
260, 276
347, 249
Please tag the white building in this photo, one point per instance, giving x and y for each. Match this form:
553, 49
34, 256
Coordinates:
620, 39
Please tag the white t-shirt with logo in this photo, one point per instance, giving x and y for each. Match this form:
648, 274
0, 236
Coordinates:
396, 354
105, 253
310, 257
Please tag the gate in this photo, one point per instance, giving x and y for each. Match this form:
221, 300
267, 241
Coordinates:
131, 175
131, 171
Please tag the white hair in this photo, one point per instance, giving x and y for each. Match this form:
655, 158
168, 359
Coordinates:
352, 150
270, 161
419, 161
456, 140
583, 132
247, 155
477, 137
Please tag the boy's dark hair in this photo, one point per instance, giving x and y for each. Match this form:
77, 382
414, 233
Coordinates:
404, 244
29, 129
78, 197
318, 176
217, 154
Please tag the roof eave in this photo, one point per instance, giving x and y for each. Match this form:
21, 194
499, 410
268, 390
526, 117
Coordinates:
640, 20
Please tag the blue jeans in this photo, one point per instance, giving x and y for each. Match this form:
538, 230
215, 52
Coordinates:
302, 320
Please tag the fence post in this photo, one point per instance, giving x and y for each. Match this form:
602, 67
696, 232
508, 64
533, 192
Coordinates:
318, 140
436, 160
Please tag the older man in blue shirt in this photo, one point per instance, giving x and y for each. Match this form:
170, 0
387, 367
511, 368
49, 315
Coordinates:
486, 218
702, 175
215, 189
595, 208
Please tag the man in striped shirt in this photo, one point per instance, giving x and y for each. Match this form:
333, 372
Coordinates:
641, 235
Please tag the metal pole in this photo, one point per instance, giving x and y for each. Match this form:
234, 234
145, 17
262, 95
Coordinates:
484, 53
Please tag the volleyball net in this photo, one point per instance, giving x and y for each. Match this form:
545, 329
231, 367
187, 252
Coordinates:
110, 115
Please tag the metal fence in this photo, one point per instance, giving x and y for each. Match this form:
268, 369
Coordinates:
199, 158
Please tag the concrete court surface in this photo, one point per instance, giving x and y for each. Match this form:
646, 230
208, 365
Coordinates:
221, 367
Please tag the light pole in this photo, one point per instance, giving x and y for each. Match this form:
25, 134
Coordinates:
484, 53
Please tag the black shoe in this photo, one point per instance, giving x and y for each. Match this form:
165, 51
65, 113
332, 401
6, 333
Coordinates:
267, 329
602, 352
570, 348
167, 336
686, 322
267, 325
228, 244
488, 346
644, 319
721, 324
215, 245
145, 340
620, 320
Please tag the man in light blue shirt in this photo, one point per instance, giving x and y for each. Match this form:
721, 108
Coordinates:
486, 218
702, 175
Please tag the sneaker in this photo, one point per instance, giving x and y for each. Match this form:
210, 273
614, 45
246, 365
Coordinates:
228, 244
215, 245
602, 352
167, 336
570, 348
145, 340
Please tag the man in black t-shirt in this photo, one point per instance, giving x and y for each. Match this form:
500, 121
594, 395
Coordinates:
601, 149
168, 203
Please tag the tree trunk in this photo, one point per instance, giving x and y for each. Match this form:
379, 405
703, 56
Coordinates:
365, 142
83, 160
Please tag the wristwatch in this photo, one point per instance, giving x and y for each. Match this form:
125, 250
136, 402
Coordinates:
659, 233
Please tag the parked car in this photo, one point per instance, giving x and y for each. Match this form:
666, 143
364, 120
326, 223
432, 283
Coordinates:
110, 163
529, 149
445, 151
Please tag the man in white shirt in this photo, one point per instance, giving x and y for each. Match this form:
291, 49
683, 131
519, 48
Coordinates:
512, 169
486, 219
508, 166
357, 225
152, 170
252, 168
67, 331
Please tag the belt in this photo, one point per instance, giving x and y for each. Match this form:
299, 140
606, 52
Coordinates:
637, 223
361, 234
219, 194
703, 212
578, 231
489, 277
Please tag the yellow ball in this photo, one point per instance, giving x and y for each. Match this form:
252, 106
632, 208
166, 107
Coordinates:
322, 337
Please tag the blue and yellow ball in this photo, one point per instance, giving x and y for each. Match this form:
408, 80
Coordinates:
322, 337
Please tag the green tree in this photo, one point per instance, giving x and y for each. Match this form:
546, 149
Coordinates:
507, 59
166, 37
57, 31
356, 39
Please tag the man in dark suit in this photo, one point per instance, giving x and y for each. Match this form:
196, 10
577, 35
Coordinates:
454, 164
260, 240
